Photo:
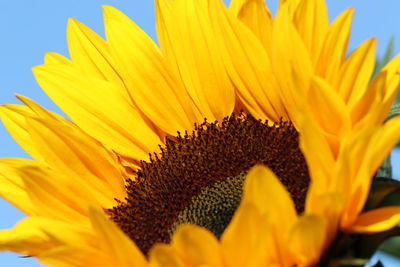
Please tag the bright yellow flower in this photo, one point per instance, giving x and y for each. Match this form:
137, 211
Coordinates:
126, 97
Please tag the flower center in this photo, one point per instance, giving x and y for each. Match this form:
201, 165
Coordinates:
214, 207
198, 178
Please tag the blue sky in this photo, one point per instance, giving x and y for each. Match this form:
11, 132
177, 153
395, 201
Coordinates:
28, 29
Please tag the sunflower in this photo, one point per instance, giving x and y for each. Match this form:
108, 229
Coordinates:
244, 140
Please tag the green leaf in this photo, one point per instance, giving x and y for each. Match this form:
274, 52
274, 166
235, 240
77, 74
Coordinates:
392, 246
385, 170
382, 190
368, 244
394, 110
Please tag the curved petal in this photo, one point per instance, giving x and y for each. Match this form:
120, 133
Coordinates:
14, 119
188, 40
99, 109
29, 236
247, 63
381, 141
198, 246
328, 205
368, 110
49, 195
247, 237
90, 53
153, 88
335, 46
73, 153
384, 139
321, 164
377, 220
292, 4
356, 72
291, 63
12, 187
391, 85
311, 20
52, 194
257, 17
326, 104
392, 79
260, 188
74, 256
43, 113
114, 242
55, 141
162, 255
307, 239
54, 58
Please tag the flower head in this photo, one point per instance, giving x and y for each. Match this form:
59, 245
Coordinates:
263, 135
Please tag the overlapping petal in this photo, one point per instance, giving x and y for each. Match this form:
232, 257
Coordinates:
57, 142
188, 41
99, 108
255, 15
151, 85
90, 53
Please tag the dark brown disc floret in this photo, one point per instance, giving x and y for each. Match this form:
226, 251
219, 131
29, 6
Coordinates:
198, 177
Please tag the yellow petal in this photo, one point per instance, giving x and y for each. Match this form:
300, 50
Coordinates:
48, 194
292, 4
76, 245
261, 186
321, 164
307, 239
54, 58
99, 109
12, 187
43, 113
61, 144
153, 88
28, 236
197, 245
14, 119
356, 71
162, 255
74, 256
328, 205
335, 46
247, 237
247, 63
90, 53
384, 140
376, 145
391, 85
73, 153
52, 194
114, 242
188, 40
326, 104
366, 112
311, 20
393, 78
256, 16
291, 62
377, 220
381, 144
